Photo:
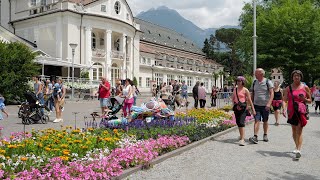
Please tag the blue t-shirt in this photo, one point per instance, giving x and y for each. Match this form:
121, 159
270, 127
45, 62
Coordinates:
57, 90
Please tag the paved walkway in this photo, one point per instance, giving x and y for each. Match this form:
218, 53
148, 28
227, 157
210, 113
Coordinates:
223, 159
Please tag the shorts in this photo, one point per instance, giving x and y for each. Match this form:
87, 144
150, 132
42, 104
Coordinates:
262, 113
104, 102
277, 107
185, 96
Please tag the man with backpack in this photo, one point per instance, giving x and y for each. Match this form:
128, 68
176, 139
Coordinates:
262, 95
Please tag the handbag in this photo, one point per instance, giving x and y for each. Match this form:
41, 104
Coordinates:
240, 105
129, 101
296, 106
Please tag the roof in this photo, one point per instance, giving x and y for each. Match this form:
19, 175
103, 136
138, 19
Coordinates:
84, 2
10, 37
160, 35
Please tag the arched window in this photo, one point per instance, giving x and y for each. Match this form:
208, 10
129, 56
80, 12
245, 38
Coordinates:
93, 41
97, 71
117, 7
117, 44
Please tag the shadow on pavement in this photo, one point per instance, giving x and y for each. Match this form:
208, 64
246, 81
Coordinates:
292, 176
274, 153
228, 141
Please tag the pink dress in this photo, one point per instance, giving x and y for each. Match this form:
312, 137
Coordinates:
302, 107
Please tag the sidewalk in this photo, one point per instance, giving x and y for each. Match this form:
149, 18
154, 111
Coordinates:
224, 159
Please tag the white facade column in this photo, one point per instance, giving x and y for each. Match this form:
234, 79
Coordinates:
209, 85
59, 37
131, 58
165, 78
107, 69
88, 51
124, 51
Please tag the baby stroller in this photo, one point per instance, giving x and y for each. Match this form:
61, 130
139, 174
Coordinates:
31, 111
169, 100
109, 117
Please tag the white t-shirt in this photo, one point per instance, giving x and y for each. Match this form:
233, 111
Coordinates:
316, 95
126, 91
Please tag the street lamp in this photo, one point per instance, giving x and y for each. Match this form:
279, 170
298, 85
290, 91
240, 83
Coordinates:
254, 36
152, 71
73, 47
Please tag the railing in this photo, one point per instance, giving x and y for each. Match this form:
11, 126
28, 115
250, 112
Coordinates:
191, 62
161, 56
117, 55
100, 53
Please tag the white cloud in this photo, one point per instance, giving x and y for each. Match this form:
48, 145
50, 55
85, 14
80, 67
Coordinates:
203, 13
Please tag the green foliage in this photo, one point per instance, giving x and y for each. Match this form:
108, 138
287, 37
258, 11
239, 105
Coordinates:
288, 36
84, 74
249, 80
17, 65
135, 82
215, 76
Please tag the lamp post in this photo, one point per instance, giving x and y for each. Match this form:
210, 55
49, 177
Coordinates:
73, 47
254, 36
152, 71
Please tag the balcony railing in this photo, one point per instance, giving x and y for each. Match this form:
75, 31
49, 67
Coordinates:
207, 65
117, 55
99, 53
170, 58
181, 60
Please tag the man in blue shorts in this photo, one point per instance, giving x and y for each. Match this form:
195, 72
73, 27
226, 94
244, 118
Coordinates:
262, 94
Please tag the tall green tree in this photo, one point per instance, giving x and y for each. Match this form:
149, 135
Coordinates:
215, 76
17, 64
288, 36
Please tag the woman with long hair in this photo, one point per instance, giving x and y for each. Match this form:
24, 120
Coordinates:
297, 94
240, 97
127, 94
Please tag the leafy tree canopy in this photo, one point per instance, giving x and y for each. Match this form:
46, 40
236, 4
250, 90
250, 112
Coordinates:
288, 36
17, 65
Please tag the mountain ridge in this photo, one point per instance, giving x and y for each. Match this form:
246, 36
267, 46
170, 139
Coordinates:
171, 19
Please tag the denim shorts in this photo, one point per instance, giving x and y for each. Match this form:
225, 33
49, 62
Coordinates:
262, 113
104, 102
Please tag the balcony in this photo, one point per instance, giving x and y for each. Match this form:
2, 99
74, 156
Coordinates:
117, 55
98, 53
207, 65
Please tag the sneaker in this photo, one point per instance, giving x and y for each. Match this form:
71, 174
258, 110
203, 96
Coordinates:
254, 139
295, 151
241, 143
298, 154
265, 138
58, 120
276, 124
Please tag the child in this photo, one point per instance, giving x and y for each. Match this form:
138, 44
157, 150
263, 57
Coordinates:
2, 107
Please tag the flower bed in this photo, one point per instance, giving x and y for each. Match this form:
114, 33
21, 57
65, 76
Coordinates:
101, 153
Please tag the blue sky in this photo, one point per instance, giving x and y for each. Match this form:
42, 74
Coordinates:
203, 13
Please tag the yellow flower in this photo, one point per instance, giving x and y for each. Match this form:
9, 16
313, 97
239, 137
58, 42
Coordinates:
64, 158
59, 135
68, 139
40, 145
77, 141
76, 131
107, 139
47, 149
2, 151
11, 137
12, 146
65, 152
23, 158
7, 157
90, 129
115, 131
84, 147
63, 145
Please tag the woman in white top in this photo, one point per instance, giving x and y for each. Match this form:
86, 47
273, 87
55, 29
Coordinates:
316, 95
127, 94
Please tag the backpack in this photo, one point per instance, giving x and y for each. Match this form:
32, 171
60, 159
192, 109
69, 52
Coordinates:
254, 82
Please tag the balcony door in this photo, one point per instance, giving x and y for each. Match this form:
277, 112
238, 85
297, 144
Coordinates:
115, 73
97, 70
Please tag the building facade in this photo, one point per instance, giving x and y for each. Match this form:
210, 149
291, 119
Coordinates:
110, 42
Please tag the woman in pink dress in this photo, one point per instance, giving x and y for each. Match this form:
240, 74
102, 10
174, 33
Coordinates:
297, 95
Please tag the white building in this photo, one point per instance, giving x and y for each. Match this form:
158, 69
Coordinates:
108, 42
276, 75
